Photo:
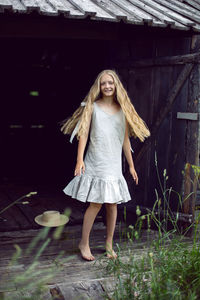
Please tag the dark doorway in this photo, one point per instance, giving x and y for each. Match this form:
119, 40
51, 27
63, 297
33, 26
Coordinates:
42, 83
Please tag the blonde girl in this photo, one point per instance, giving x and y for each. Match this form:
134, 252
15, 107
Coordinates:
108, 118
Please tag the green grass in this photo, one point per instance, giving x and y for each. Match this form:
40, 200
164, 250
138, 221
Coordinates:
169, 268
170, 271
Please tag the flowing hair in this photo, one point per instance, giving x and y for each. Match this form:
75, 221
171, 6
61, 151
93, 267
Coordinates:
137, 126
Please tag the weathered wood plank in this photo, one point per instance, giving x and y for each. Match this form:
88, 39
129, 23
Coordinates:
12, 6
41, 7
29, 208
74, 271
163, 112
144, 5
82, 290
192, 147
56, 293
179, 12
65, 7
89, 8
14, 219
191, 3
187, 116
181, 22
149, 6
134, 11
7, 220
18, 295
75, 278
120, 13
186, 10
160, 61
108, 286
14, 216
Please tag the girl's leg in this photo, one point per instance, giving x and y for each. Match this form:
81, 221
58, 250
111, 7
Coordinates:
111, 217
88, 221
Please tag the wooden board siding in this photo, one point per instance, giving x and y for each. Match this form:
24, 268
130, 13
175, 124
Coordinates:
148, 87
76, 278
192, 146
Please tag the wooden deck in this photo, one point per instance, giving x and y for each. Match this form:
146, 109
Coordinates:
21, 216
70, 276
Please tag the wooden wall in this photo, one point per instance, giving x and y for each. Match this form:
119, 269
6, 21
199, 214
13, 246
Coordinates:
149, 87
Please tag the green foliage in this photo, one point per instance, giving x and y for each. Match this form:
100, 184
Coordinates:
171, 272
169, 268
196, 170
31, 283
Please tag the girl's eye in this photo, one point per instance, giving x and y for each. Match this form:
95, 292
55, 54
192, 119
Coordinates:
109, 82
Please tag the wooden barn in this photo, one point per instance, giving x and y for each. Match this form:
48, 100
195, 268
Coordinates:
51, 52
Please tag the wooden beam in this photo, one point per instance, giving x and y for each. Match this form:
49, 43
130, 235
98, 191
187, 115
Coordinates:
192, 147
166, 108
12, 26
161, 61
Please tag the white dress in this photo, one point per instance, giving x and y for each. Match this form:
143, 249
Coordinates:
102, 181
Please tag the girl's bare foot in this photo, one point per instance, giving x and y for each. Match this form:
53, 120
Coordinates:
86, 253
110, 252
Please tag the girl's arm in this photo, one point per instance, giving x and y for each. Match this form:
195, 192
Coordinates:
80, 166
128, 155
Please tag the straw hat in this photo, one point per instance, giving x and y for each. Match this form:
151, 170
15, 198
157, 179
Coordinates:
51, 218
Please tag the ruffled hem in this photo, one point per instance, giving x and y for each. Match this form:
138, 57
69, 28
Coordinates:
86, 188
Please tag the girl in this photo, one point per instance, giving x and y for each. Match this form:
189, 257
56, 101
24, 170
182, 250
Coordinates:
109, 115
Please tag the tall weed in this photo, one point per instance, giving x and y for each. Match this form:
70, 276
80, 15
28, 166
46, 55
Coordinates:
169, 268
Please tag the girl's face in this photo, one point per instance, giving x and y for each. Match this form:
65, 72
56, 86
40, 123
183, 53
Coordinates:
107, 85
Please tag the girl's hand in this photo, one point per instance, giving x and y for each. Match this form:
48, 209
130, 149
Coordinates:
134, 174
80, 168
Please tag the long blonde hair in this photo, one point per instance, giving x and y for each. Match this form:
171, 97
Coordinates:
137, 126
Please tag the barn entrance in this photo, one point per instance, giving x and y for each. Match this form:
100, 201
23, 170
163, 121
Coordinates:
43, 82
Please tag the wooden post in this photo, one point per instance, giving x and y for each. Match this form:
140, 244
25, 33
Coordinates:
191, 146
